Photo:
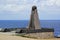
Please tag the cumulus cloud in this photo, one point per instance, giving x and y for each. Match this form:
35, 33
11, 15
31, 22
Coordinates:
51, 3
58, 3
20, 5
15, 5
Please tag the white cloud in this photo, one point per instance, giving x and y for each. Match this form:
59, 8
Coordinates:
20, 5
48, 3
58, 3
51, 3
15, 6
11, 5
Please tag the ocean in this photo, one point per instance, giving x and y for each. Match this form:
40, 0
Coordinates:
24, 23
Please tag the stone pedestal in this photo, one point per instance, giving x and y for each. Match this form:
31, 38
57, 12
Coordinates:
41, 35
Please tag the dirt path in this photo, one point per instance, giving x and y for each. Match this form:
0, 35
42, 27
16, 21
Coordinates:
8, 37
4, 36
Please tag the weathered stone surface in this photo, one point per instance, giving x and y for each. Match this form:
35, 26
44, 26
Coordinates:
41, 35
34, 20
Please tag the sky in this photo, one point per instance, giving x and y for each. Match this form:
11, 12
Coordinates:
21, 9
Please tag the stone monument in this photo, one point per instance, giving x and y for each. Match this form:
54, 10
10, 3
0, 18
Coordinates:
34, 19
34, 29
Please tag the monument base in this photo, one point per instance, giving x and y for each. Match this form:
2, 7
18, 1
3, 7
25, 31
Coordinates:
38, 33
42, 35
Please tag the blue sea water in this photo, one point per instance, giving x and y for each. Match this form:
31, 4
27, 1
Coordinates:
24, 23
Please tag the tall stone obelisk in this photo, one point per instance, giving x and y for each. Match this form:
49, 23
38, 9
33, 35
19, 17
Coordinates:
34, 19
